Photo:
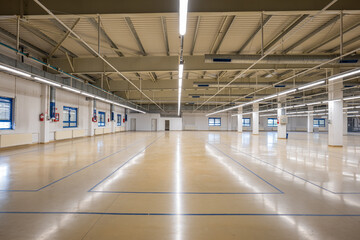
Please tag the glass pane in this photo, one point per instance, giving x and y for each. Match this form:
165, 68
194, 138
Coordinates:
73, 115
73, 124
217, 122
5, 125
66, 115
5, 111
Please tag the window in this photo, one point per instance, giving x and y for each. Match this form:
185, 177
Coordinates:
214, 121
101, 119
119, 119
246, 122
272, 122
70, 117
319, 122
6, 113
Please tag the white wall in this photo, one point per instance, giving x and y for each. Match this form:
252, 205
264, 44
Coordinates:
200, 122
175, 124
143, 122
27, 100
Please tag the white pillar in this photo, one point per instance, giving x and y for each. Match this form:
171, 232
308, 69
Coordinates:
255, 119
44, 125
91, 123
335, 108
240, 120
281, 128
310, 120
113, 121
345, 123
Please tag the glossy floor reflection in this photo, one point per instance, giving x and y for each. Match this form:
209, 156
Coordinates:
182, 185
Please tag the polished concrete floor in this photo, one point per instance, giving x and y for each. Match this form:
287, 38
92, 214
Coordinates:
182, 185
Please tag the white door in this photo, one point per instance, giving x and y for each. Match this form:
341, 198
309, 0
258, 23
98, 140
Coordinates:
154, 125
133, 124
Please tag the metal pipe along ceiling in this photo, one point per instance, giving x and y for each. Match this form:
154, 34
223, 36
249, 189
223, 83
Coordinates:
281, 59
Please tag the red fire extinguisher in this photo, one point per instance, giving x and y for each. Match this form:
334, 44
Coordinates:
41, 117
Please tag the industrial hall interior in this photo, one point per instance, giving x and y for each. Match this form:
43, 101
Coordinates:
179, 120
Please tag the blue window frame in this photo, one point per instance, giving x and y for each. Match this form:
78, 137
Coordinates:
272, 122
70, 117
246, 122
319, 122
101, 122
214, 121
119, 119
6, 107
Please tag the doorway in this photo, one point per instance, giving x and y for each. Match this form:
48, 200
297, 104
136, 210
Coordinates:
133, 124
167, 125
153, 125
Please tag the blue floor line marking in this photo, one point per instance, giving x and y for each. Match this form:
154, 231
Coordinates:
188, 214
122, 165
245, 168
199, 193
70, 174
270, 164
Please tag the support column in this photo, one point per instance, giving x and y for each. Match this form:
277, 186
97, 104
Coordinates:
45, 125
255, 119
281, 128
112, 118
310, 120
335, 108
240, 120
345, 122
92, 109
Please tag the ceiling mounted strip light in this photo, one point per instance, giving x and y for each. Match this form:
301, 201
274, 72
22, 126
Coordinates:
183, 10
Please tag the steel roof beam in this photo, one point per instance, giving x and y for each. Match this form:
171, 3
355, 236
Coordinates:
347, 43
284, 32
135, 35
58, 25
195, 35
313, 33
64, 38
225, 26
46, 38
257, 30
333, 38
166, 39
23, 42
107, 38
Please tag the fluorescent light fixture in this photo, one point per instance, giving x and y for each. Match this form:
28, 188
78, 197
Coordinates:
183, 9
14, 71
71, 89
353, 116
271, 96
315, 103
311, 85
288, 107
257, 100
87, 94
301, 105
351, 112
181, 70
286, 92
47, 81
179, 93
351, 98
346, 74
